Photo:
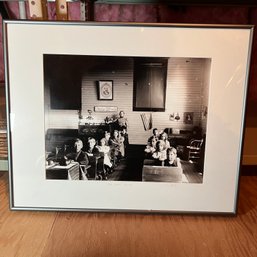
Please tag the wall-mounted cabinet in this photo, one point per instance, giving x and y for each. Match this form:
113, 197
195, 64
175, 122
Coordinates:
150, 75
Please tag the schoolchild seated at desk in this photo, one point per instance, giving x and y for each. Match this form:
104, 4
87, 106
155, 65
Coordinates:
107, 138
155, 135
160, 153
81, 157
106, 151
91, 148
124, 133
117, 142
150, 148
172, 159
96, 158
164, 138
78, 155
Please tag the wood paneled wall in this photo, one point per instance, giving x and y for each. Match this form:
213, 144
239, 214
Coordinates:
185, 81
122, 76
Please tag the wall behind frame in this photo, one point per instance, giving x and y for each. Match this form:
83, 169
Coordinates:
187, 91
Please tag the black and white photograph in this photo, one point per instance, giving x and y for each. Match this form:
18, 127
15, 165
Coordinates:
140, 116
143, 138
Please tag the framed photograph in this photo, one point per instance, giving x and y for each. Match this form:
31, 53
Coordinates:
188, 117
58, 160
105, 90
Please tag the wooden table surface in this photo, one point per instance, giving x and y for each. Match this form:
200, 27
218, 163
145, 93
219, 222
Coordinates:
74, 234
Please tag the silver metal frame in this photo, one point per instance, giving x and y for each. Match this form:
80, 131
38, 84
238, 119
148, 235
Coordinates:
70, 23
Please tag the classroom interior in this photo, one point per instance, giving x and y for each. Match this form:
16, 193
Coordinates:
167, 93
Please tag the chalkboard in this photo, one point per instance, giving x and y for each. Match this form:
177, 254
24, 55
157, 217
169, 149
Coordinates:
62, 76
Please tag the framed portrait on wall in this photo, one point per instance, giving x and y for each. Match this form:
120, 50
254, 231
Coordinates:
105, 90
58, 161
188, 117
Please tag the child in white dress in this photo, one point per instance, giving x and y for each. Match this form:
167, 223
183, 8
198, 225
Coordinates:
160, 153
105, 149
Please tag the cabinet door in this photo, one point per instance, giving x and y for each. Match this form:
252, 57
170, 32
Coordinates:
142, 85
149, 84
